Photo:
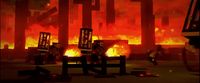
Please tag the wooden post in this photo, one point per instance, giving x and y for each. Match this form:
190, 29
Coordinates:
65, 66
21, 19
87, 11
122, 65
84, 64
63, 22
147, 24
103, 65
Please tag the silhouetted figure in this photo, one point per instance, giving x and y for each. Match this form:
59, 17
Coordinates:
6, 52
154, 53
97, 52
31, 53
54, 53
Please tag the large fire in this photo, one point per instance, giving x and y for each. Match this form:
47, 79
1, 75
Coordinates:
127, 23
118, 50
73, 52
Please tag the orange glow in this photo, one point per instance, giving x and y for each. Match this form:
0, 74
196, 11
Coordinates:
30, 42
32, 34
73, 52
131, 39
10, 45
168, 37
172, 41
117, 50
127, 24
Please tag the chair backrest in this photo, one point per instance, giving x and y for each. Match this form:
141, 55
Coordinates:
44, 42
85, 41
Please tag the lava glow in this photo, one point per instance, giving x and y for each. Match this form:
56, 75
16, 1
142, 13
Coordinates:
73, 52
118, 50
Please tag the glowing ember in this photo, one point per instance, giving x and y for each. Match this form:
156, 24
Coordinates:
73, 52
117, 50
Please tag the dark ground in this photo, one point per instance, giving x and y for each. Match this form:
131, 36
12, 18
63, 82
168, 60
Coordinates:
169, 72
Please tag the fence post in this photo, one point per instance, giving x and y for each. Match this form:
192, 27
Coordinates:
103, 65
84, 64
65, 66
122, 64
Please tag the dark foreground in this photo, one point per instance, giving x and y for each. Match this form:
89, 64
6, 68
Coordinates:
168, 71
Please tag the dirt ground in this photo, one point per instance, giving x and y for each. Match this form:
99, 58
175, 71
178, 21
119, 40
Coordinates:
168, 71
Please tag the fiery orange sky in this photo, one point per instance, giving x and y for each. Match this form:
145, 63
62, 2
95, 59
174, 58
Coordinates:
127, 25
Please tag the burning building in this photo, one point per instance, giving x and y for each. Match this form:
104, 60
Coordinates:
140, 22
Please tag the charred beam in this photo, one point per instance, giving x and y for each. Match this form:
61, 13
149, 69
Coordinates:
46, 14
63, 22
148, 25
21, 14
87, 11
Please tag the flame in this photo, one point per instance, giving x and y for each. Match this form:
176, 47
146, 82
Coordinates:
31, 42
10, 45
117, 50
127, 25
74, 40
172, 41
131, 39
32, 34
169, 36
73, 52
